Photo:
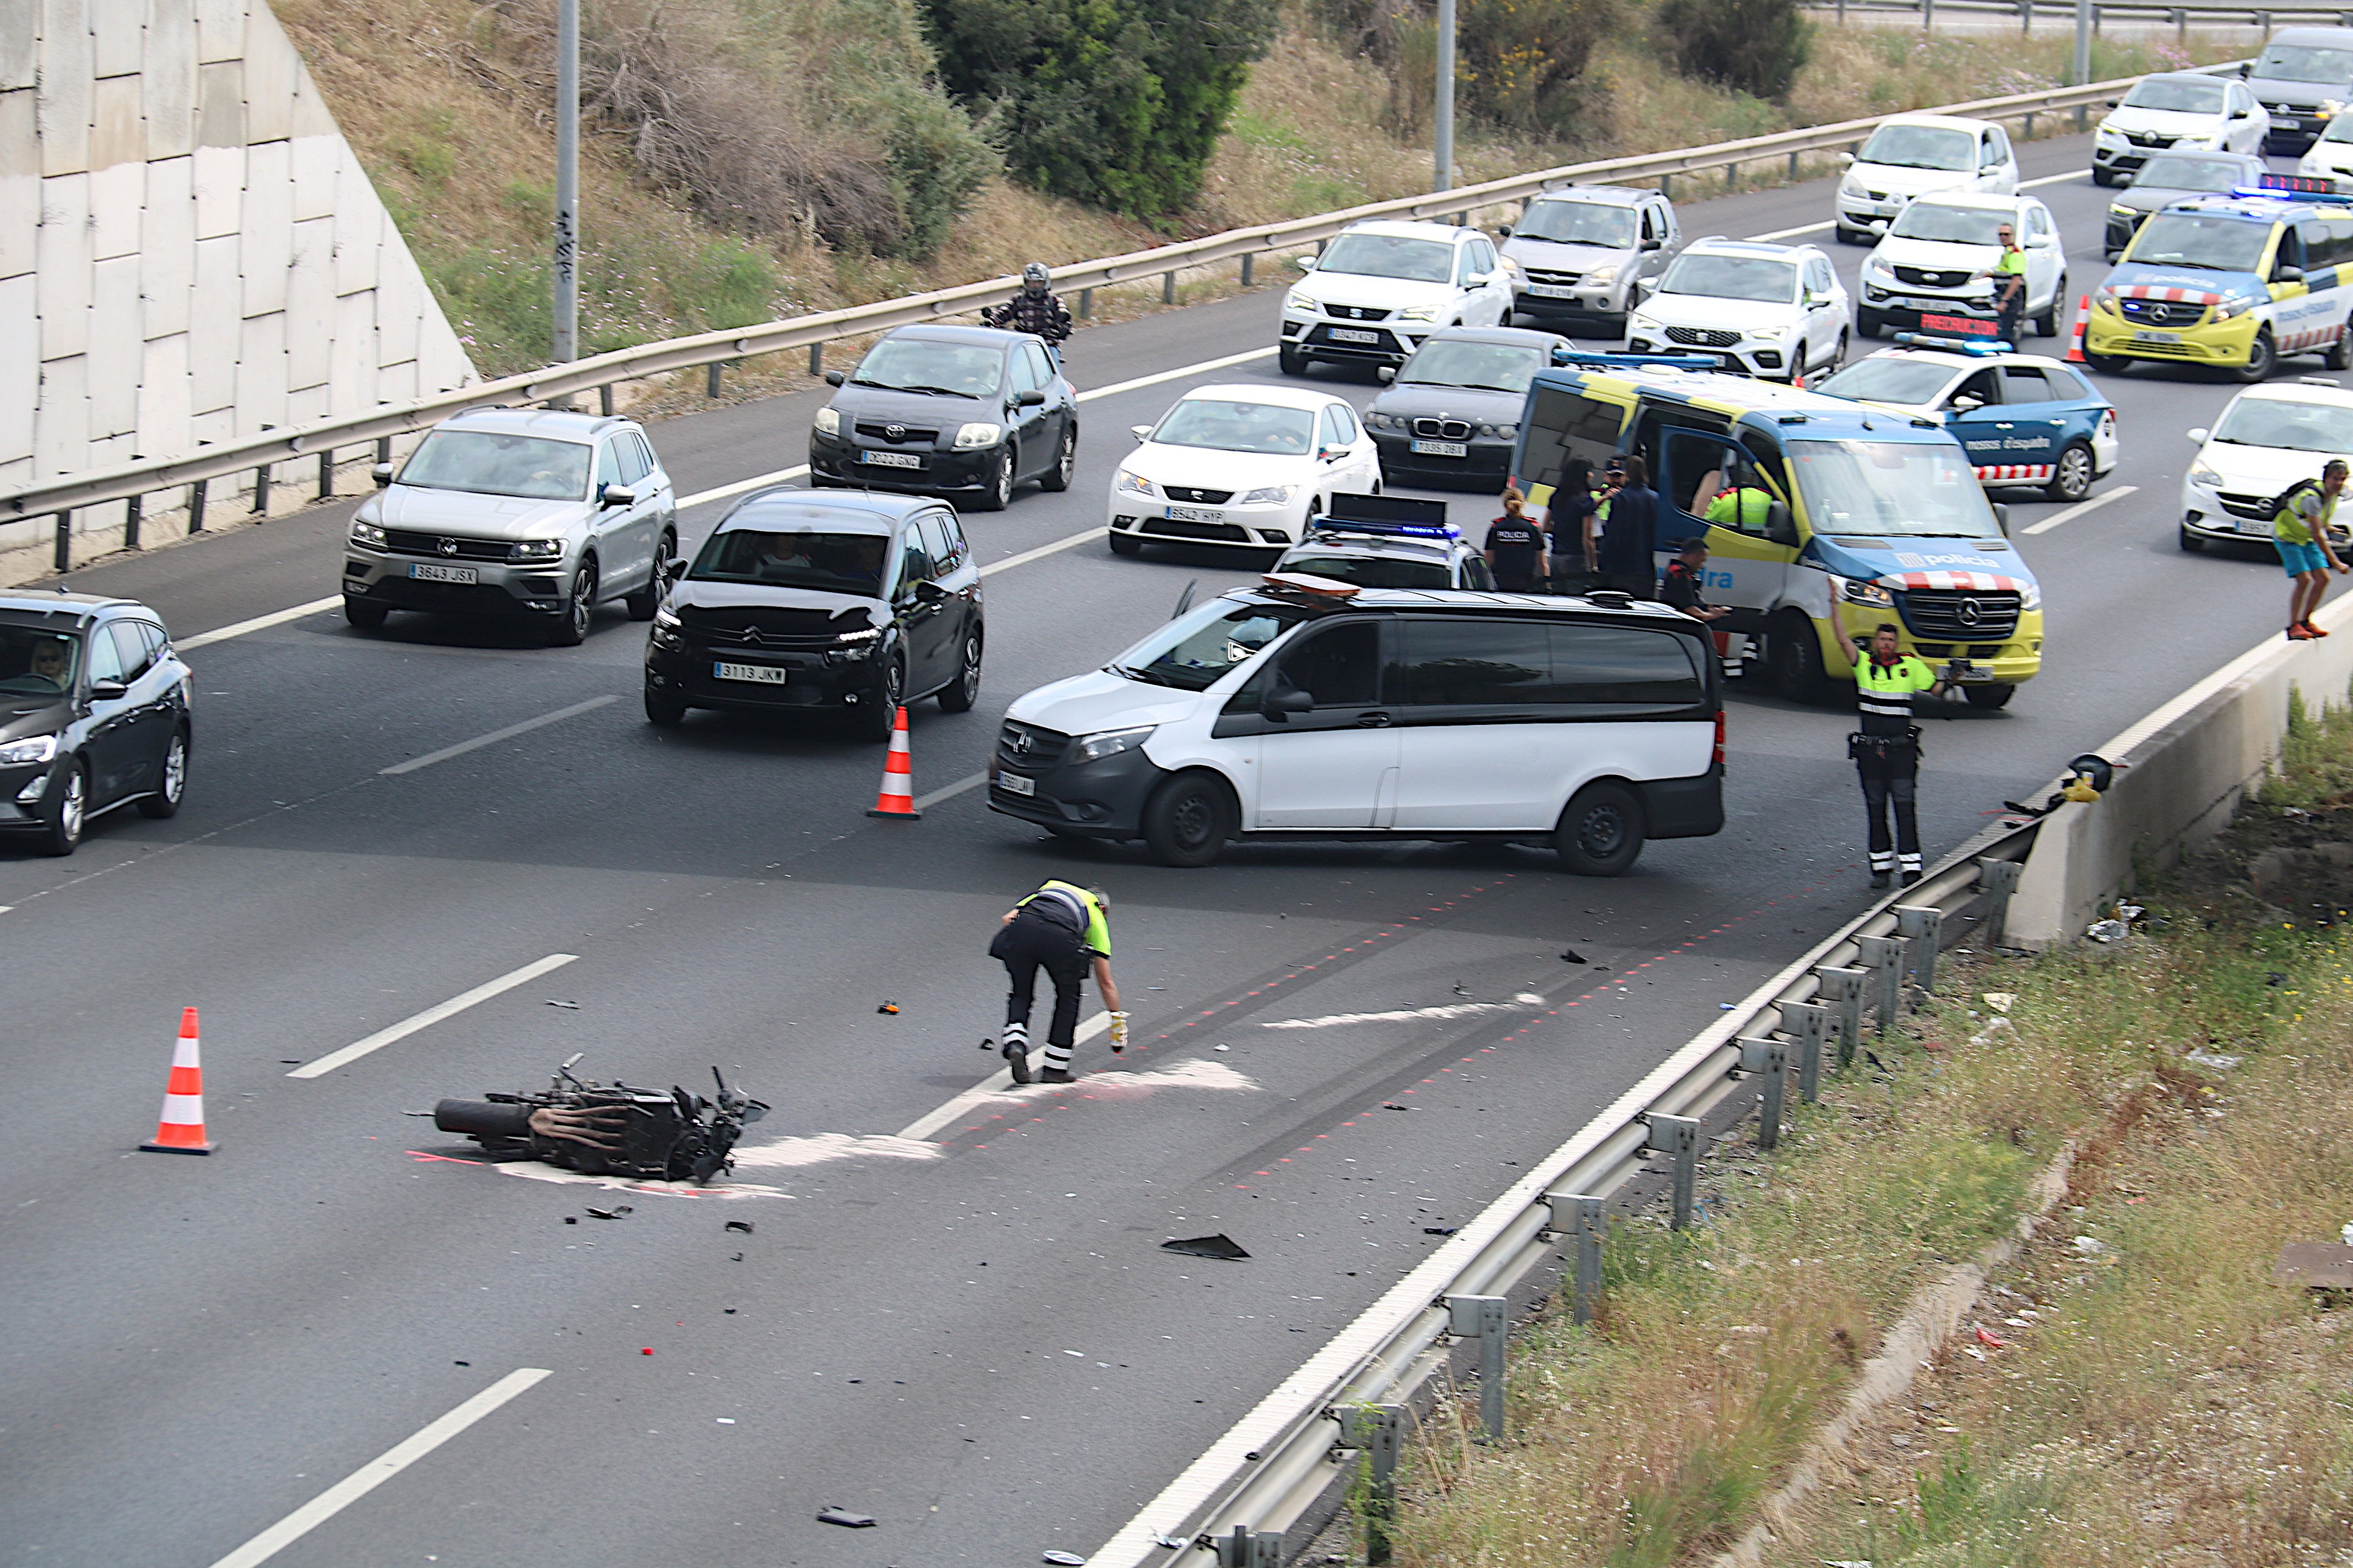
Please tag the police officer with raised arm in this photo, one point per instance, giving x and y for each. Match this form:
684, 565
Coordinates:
1885, 747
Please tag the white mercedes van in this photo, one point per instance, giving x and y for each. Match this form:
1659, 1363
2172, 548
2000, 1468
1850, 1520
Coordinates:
1311, 709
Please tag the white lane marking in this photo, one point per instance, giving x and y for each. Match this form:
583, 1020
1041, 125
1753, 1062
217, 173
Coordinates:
1827, 223
791, 1154
992, 1088
432, 1015
494, 737
257, 623
2080, 508
1115, 388
1407, 1015
533, 1171
1026, 556
2053, 179
699, 497
922, 802
380, 1469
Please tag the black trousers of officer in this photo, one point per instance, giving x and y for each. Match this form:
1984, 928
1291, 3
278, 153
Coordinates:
1891, 777
1030, 943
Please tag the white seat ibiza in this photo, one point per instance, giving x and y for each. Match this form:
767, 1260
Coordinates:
1244, 466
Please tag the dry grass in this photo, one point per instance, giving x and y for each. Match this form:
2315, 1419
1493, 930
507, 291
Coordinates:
2161, 1401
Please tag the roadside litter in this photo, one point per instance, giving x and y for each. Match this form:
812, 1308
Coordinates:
1220, 1245
842, 1516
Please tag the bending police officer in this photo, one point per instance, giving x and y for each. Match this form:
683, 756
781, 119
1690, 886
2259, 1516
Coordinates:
1886, 748
1063, 929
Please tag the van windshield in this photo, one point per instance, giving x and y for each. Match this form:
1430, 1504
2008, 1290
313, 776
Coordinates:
1193, 651
1893, 489
2303, 62
2212, 242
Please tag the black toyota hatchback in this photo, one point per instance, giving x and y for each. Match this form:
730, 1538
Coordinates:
965, 411
93, 715
843, 605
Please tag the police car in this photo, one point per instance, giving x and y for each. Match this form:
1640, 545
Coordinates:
1388, 541
2232, 280
2023, 420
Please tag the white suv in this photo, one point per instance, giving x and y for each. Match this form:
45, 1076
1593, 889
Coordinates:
1916, 155
2188, 110
1380, 288
1774, 310
1925, 274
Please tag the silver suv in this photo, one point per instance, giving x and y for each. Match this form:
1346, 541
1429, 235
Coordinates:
1582, 250
506, 512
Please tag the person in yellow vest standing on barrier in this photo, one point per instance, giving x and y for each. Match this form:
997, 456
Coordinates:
1885, 747
2300, 519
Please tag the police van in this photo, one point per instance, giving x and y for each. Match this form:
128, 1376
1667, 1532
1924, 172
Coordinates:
2232, 280
1841, 516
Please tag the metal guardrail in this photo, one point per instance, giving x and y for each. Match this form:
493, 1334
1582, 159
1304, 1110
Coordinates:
2103, 11
1302, 1439
131, 482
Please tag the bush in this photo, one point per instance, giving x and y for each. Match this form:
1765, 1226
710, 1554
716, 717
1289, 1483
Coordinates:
1757, 46
1518, 64
1115, 102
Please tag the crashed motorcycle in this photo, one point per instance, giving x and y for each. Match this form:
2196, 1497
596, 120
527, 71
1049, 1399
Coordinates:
608, 1128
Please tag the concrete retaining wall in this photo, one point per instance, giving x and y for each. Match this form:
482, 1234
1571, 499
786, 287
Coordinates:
2191, 763
189, 249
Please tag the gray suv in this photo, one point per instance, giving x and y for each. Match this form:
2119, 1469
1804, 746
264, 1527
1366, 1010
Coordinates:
516, 511
1581, 251
2304, 78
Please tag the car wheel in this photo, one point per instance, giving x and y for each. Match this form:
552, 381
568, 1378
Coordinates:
647, 599
2047, 323
173, 782
1798, 366
2107, 364
65, 816
998, 493
1870, 323
1066, 464
2103, 177
2262, 357
1290, 360
1600, 834
571, 628
2193, 543
960, 694
1188, 819
663, 710
1850, 235
2071, 477
877, 722
1988, 696
2340, 352
366, 617
1796, 654
1125, 543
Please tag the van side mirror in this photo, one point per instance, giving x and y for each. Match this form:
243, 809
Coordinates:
1284, 701
1777, 526
2287, 274
834, 378
381, 474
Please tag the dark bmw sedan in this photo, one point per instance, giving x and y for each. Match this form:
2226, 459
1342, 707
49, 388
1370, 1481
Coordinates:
800, 603
2168, 177
965, 411
93, 715
1453, 412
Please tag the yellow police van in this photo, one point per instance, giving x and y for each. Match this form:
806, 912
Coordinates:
2232, 280
1823, 517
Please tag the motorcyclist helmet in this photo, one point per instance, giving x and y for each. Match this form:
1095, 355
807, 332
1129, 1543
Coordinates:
1033, 278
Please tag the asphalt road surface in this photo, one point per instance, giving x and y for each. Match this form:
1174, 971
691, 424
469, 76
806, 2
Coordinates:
970, 1334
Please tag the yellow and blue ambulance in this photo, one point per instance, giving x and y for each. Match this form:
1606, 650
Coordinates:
1868, 515
2233, 280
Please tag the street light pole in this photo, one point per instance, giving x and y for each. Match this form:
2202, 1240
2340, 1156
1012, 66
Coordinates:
566, 343
1442, 177
2083, 45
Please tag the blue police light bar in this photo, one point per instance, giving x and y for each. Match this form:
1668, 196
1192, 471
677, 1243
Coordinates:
2291, 187
1977, 347
1601, 360
1386, 530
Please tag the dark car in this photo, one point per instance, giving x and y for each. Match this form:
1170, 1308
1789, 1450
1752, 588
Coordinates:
1452, 411
93, 715
799, 603
968, 411
2169, 177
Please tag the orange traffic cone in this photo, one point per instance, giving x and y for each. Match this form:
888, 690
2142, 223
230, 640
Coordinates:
181, 1129
897, 796
2076, 347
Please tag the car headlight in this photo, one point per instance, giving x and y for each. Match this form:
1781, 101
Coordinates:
536, 550
2233, 305
2199, 474
369, 534
1851, 185
2030, 596
1639, 322
980, 435
1858, 590
859, 644
1769, 334
2330, 108
2108, 135
1301, 301
1376, 420
1135, 484
33, 749
1499, 432
666, 616
1423, 312
1268, 495
1602, 275
1108, 743
2105, 295
1878, 266
829, 422
2118, 209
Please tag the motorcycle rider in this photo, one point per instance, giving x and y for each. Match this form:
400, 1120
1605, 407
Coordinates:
1033, 310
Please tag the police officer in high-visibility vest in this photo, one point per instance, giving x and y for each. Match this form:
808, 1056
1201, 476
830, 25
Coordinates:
1885, 747
1061, 929
2300, 517
1741, 506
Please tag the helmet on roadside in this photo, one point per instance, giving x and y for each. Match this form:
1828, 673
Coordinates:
1033, 278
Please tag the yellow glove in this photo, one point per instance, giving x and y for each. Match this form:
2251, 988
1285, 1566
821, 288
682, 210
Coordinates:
2079, 788
1118, 1033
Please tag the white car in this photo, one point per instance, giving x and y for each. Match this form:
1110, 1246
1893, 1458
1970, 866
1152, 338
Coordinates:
1912, 155
2188, 110
1380, 288
1925, 274
1244, 466
1773, 311
2269, 437
2330, 156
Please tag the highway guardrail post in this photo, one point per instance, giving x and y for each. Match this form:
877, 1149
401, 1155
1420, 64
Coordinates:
1169, 287
1677, 1137
1578, 1217
261, 492
131, 522
1248, 1547
817, 360
197, 505
1086, 303
1997, 881
327, 474
1843, 989
1882, 957
62, 555
1928, 14
1379, 1431
710, 378
605, 400
1924, 926
1248, 256
1481, 1318
1769, 1057
1809, 1022
383, 448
